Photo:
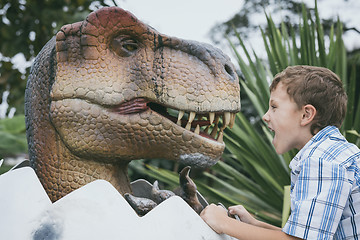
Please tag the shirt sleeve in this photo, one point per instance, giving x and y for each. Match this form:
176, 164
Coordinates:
318, 198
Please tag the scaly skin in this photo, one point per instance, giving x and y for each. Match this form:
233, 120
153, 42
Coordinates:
93, 97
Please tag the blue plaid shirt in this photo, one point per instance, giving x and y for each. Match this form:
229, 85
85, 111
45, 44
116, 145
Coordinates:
325, 194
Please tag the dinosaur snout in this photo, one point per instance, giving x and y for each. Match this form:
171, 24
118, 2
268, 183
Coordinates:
218, 62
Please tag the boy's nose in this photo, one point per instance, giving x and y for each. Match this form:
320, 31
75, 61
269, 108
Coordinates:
265, 118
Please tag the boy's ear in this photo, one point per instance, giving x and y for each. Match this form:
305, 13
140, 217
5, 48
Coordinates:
309, 112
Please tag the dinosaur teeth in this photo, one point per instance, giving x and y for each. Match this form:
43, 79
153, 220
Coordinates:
214, 131
190, 120
226, 119
207, 129
232, 120
216, 121
211, 117
197, 129
192, 117
181, 114
220, 137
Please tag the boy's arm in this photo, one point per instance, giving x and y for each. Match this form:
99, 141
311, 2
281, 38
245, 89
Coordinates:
216, 217
245, 231
246, 217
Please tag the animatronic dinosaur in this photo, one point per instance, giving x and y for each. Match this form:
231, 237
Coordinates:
111, 89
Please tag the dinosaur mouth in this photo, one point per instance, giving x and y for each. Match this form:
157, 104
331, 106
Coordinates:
209, 125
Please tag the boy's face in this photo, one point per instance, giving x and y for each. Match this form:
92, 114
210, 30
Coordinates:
284, 119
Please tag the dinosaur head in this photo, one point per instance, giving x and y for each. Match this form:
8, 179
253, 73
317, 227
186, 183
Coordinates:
119, 90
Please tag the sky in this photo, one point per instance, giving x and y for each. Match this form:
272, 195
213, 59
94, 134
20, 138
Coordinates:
193, 19
188, 19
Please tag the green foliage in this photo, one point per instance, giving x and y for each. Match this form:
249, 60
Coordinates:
12, 136
252, 174
247, 20
4, 168
25, 27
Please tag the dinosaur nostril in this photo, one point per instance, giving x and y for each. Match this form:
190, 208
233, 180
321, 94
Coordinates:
229, 70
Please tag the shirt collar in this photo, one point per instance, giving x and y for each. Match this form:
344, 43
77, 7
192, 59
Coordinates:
326, 132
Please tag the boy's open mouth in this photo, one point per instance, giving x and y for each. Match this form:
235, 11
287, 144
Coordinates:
272, 130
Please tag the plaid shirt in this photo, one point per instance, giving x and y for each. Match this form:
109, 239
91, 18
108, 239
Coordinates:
325, 194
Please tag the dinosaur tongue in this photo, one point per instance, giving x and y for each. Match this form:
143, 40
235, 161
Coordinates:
135, 105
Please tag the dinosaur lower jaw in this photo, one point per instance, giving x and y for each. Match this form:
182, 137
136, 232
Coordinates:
209, 125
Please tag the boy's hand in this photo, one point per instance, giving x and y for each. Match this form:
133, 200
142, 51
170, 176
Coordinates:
215, 216
243, 214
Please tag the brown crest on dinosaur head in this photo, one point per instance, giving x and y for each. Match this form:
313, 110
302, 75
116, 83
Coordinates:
111, 89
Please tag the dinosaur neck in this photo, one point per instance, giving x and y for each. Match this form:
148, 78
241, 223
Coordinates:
61, 172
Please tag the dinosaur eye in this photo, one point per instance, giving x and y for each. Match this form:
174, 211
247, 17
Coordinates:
130, 46
124, 46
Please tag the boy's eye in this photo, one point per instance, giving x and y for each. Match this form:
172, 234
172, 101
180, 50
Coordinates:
273, 107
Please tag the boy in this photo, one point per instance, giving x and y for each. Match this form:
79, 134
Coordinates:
307, 106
